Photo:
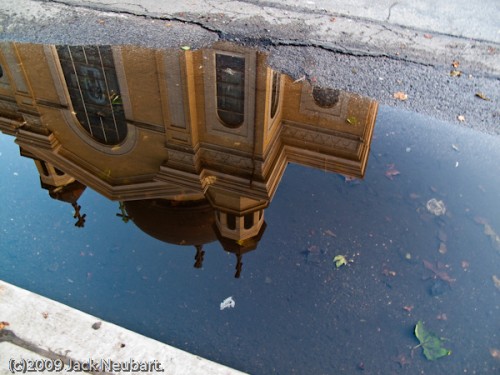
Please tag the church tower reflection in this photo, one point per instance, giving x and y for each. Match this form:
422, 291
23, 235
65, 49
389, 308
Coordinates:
193, 144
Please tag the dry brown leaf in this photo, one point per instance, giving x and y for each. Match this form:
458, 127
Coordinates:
400, 95
3, 325
442, 316
455, 64
481, 95
442, 248
496, 281
209, 180
495, 353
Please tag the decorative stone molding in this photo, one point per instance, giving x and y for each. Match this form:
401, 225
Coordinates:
329, 140
224, 158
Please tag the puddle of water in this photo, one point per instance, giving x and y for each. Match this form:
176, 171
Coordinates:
132, 261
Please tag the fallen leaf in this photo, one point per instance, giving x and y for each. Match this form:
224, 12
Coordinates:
438, 273
387, 272
185, 48
333, 19
391, 172
3, 325
408, 308
496, 281
349, 179
431, 344
352, 120
442, 316
313, 249
400, 96
442, 248
455, 73
209, 180
455, 63
495, 353
427, 36
328, 232
481, 95
340, 260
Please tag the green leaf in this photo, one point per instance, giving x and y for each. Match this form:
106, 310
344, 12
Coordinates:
431, 344
340, 260
185, 48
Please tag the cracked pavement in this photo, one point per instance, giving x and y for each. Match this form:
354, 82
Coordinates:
374, 50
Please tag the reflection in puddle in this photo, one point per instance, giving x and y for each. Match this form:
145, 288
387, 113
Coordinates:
205, 144
192, 143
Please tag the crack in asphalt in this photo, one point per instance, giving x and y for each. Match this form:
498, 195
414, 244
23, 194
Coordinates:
259, 40
390, 10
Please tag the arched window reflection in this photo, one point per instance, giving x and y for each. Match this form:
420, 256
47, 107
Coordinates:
275, 93
93, 88
230, 75
325, 97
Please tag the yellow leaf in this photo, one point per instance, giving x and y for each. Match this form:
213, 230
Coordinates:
352, 120
185, 48
340, 260
455, 73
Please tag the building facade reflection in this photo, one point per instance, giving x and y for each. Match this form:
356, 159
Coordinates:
192, 144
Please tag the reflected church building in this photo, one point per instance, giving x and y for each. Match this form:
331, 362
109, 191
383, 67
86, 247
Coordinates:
193, 144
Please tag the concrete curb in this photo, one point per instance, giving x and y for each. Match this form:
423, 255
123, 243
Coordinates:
46, 333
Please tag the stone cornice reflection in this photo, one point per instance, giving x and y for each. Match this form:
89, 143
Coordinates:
196, 138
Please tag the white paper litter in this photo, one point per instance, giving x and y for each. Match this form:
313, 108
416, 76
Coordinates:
228, 302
